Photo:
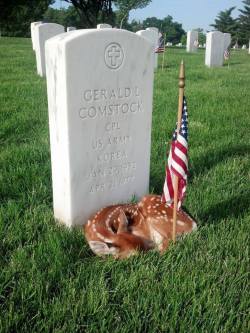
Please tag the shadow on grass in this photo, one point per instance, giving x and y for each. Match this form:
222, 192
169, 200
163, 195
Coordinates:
213, 157
234, 207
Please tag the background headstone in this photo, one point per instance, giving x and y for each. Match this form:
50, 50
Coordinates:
152, 37
156, 41
192, 41
32, 28
71, 29
103, 26
244, 47
100, 87
43, 32
227, 41
214, 49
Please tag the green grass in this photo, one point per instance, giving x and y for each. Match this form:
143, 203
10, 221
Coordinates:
49, 279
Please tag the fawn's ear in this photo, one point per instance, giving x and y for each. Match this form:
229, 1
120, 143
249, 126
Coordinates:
123, 222
101, 248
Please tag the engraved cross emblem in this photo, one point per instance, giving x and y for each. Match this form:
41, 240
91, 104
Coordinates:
113, 55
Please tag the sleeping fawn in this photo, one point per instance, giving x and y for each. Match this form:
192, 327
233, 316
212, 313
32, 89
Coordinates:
122, 230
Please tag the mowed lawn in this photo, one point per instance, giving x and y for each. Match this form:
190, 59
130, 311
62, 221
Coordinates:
49, 279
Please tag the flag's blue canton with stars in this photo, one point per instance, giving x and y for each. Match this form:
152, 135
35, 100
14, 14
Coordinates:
184, 121
177, 161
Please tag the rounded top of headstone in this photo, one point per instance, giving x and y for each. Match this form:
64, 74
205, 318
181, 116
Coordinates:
37, 22
215, 32
102, 34
104, 26
153, 29
50, 26
151, 34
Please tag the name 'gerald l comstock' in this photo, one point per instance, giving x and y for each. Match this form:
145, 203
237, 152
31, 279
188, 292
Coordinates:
109, 102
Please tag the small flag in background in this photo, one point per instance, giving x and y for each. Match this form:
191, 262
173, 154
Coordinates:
177, 162
226, 55
160, 48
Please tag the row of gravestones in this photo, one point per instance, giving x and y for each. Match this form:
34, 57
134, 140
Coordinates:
40, 32
216, 45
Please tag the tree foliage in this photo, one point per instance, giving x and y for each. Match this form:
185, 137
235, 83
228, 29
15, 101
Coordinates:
173, 30
65, 16
16, 15
125, 6
91, 12
244, 22
224, 21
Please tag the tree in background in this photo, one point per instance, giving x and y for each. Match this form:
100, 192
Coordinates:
244, 23
91, 12
16, 15
65, 16
173, 30
227, 24
125, 6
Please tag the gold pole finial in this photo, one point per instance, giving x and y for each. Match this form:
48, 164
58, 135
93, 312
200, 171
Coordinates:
182, 75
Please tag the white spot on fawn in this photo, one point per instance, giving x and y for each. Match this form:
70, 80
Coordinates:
180, 223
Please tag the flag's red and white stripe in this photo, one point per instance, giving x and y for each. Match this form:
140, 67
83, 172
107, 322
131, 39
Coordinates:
177, 163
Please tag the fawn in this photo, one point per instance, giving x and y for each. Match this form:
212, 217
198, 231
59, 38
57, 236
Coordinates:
122, 230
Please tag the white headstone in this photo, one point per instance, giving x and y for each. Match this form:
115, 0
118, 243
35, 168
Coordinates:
71, 29
192, 41
156, 41
103, 26
32, 28
214, 49
179, 44
100, 107
152, 36
169, 44
244, 47
227, 41
43, 32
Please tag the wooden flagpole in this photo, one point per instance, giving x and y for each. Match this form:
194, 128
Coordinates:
163, 59
180, 106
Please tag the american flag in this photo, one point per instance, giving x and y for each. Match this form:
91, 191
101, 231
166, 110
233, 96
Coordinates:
177, 162
160, 48
226, 55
